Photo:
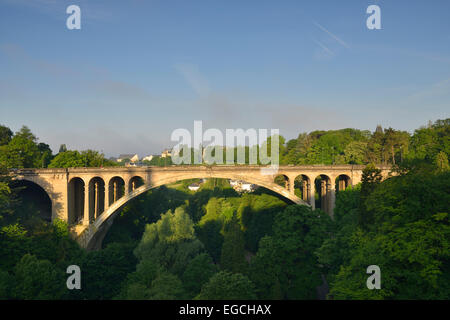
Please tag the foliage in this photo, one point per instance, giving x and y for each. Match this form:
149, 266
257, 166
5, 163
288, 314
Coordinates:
197, 273
371, 178
233, 253
103, 271
5, 135
285, 264
73, 158
227, 286
22, 151
37, 279
407, 239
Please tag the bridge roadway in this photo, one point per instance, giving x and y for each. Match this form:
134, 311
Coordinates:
88, 198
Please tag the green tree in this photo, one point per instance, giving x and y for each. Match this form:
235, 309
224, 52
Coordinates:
442, 161
62, 148
198, 272
68, 159
233, 251
371, 178
38, 279
73, 159
105, 270
46, 154
407, 239
355, 152
166, 286
5, 135
170, 242
285, 263
427, 142
22, 151
6, 285
5, 196
228, 286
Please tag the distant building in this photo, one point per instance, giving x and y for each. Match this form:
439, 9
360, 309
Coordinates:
131, 164
166, 153
247, 187
242, 186
147, 158
234, 183
132, 157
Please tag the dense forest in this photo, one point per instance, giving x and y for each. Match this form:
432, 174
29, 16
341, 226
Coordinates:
172, 243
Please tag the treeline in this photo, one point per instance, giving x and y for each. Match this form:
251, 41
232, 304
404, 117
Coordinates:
345, 146
22, 150
351, 146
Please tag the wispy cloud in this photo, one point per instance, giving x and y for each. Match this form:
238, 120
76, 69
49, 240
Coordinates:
195, 79
18, 54
335, 37
441, 88
325, 48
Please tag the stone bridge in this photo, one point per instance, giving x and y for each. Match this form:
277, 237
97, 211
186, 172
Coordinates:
88, 198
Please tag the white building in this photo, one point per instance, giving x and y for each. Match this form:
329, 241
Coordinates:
234, 183
247, 187
147, 158
194, 187
242, 186
166, 153
132, 157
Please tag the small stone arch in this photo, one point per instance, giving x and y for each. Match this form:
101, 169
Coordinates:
135, 182
116, 187
342, 182
282, 180
322, 185
96, 197
76, 194
303, 187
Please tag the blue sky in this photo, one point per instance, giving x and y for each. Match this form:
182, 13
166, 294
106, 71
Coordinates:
139, 69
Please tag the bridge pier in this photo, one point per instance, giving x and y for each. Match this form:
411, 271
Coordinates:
86, 219
106, 195
332, 200
127, 187
312, 194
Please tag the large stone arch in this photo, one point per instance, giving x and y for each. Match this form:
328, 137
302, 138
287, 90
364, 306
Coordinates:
92, 236
35, 191
56, 195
